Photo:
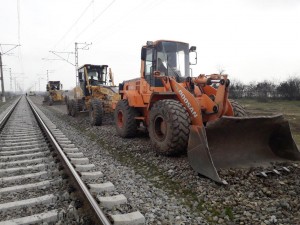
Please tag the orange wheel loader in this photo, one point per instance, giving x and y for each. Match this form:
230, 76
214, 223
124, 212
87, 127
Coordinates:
182, 113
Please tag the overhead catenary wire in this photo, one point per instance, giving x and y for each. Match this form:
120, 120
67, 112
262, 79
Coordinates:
91, 23
20, 54
19, 22
74, 24
122, 19
142, 5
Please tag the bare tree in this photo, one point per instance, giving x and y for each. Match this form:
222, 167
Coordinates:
289, 89
220, 69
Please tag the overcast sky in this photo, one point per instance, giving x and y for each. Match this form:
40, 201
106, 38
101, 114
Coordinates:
252, 40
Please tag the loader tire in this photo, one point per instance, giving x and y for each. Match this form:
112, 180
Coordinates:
169, 127
238, 110
69, 107
74, 108
126, 124
45, 99
96, 112
66, 100
50, 101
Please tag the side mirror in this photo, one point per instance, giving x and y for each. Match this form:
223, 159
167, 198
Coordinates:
193, 57
80, 76
192, 48
144, 54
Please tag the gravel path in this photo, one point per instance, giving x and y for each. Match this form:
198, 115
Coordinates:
167, 191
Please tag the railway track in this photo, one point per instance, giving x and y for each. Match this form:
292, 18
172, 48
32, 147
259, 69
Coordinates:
45, 178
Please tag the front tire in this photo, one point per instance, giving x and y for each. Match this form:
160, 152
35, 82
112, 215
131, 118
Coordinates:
96, 113
126, 124
169, 127
50, 101
74, 108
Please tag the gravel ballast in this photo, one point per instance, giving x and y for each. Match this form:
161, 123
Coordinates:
166, 189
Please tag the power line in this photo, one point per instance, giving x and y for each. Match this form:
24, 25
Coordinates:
18, 10
20, 55
84, 46
91, 23
68, 31
122, 19
1, 68
14, 46
73, 25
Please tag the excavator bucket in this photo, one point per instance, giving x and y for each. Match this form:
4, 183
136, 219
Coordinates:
232, 142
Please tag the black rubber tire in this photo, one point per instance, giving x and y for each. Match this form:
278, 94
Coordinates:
96, 112
81, 104
66, 98
68, 104
46, 99
169, 127
74, 108
124, 116
238, 110
50, 101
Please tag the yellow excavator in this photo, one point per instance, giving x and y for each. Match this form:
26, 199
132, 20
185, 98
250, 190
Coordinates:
194, 114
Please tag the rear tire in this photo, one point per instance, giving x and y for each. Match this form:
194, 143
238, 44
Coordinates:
46, 99
68, 104
74, 108
96, 112
66, 100
50, 101
169, 127
238, 110
126, 124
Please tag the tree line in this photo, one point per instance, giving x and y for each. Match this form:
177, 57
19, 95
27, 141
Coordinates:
288, 90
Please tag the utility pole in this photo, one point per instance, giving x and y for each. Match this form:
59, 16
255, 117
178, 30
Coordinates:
76, 62
10, 78
84, 46
40, 78
15, 79
15, 84
1, 69
2, 80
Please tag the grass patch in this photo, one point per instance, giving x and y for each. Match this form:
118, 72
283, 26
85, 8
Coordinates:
229, 213
289, 109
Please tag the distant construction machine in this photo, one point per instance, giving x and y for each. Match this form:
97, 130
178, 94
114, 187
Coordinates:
95, 94
54, 93
189, 113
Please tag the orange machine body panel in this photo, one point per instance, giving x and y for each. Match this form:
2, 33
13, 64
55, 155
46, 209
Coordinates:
202, 101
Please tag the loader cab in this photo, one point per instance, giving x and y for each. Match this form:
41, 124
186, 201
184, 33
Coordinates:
94, 75
166, 58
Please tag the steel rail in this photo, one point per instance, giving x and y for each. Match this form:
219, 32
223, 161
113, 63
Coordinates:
4, 119
87, 199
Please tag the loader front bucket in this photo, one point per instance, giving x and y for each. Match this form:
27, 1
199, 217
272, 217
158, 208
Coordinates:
232, 142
